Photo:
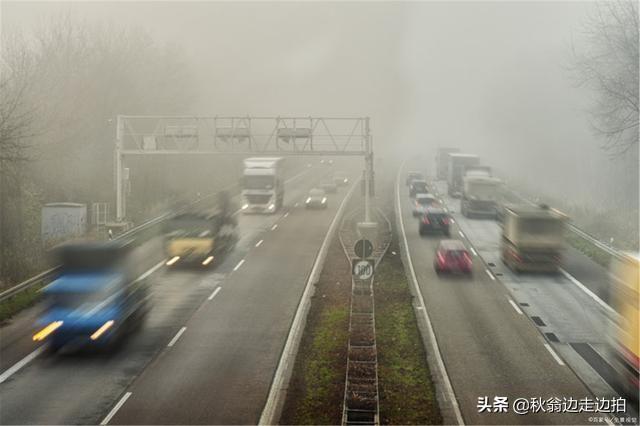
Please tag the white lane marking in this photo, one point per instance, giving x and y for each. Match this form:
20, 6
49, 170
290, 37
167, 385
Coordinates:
515, 306
286, 214
235, 268
588, 292
274, 399
150, 271
474, 251
490, 274
554, 354
453, 221
296, 204
115, 409
214, 293
258, 243
18, 365
274, 227
177, 336
448, 389
461, 234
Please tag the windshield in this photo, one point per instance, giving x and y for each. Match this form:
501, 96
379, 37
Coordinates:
425, 201
483, 190
259, 182
192, 228
83, 300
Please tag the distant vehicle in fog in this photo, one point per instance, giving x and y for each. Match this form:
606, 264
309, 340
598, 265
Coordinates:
458, 163
94, 300
434, 220
411, 176
340, 178
624, 339
418, 187
421, 202
533, 238
452, 256
329, 187
442, 162
317, 199
263, 184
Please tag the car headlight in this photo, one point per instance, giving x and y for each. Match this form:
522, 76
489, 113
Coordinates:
245, 206
308, 200
324, 200
272, 206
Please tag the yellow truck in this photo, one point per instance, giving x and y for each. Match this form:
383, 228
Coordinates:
624, 337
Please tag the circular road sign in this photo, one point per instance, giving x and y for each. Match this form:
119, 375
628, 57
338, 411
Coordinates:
363, 248
363, 269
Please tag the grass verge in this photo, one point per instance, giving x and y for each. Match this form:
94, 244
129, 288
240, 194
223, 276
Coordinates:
20, 301
407, 394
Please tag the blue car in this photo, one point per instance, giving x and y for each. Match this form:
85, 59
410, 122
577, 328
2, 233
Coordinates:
93, 301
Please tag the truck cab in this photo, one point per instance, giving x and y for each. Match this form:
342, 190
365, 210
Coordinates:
480, 195
262, 184
94, 300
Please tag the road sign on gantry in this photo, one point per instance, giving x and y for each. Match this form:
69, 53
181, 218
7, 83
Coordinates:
362, 269
363, 248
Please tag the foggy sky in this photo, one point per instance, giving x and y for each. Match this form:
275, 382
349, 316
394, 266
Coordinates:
489, 77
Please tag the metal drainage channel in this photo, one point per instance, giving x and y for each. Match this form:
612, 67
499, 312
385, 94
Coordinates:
360, 405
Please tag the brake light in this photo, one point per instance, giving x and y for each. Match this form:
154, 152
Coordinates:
441, 259
425, 220
445, 221
467, 258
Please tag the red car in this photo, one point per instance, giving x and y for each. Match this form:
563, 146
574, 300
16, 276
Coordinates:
452, 256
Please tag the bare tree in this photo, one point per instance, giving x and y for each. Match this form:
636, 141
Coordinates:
608, 64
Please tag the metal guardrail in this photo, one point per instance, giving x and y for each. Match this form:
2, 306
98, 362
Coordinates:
44, 276
579, 232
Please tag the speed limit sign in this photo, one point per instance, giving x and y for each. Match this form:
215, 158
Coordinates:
362, 269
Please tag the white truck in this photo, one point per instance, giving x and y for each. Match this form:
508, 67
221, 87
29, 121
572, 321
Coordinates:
263, 184
533, 238
480, 195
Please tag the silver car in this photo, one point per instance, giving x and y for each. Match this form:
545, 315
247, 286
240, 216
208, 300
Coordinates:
317, 199
421, 202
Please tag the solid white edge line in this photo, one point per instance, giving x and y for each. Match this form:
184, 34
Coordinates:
554, 354
516, 307
274, 227
176, 337
589, 293
235, 268
422, 308
490, 274
115, 409
475, 253
278, 385
18, 365
259, 243
214, 293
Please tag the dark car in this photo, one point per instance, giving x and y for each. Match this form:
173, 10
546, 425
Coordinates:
434, 220
452, 256
411, 176
317, 199
418, 187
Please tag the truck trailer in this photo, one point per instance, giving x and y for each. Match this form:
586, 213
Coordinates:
442, 162
533, 238
458, 164
263, 184
624, 336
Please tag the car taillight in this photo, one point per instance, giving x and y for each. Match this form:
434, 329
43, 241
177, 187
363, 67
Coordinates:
425, 220
445, 221
441, 259
467, 258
